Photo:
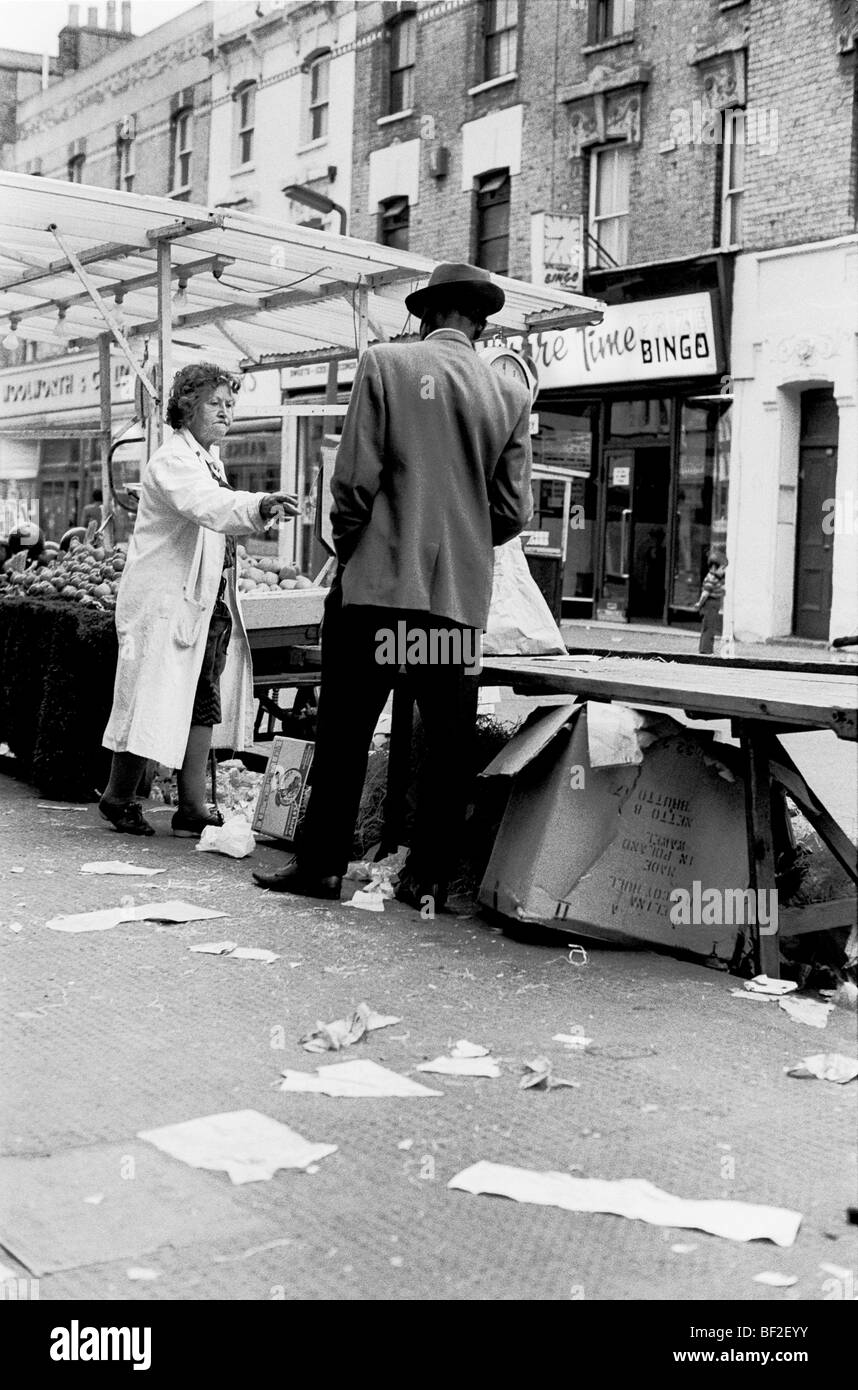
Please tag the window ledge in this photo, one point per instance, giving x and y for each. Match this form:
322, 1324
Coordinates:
492, 82
613, 42
395, 116
242, 169
312, 145
179, 192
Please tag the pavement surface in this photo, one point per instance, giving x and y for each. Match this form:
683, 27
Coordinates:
111, 1033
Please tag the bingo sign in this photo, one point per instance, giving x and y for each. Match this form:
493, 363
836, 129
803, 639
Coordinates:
557, 250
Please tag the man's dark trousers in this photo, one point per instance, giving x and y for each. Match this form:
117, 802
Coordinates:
354, 688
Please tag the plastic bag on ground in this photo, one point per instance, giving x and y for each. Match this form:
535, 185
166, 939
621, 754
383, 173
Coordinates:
234, 838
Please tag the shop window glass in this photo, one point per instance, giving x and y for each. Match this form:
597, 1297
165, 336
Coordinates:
701, 495
566, 440
639, 417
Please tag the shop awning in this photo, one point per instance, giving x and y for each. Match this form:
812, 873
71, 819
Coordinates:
251, 292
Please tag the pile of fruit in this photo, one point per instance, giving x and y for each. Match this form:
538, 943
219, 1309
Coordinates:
263, 575
88, 574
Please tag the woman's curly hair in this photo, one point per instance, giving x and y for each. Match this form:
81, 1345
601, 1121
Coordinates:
189, 384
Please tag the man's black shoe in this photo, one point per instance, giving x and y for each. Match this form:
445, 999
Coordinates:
294, 879
415, 894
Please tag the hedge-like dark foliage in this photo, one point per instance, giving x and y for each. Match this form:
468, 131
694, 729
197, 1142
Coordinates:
57, 665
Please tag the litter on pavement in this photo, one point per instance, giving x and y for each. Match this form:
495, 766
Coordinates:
332, 1037
139, 1272
235, 952
539, 1074
825, 1066
109, 917
631, 1197
463, 1048
15, 926
775, 1280
572, 1040
462, 1066
359, 1079
371, 900
380, 877
234, 838
117, 866
810, 1011
246, 1144
761, 984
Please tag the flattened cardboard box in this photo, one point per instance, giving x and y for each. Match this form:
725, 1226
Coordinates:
284, 793
598, 851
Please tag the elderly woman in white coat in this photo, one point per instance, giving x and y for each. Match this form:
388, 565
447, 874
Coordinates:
177, 609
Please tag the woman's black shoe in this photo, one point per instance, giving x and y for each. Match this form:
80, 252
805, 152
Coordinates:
191, 827
126, 817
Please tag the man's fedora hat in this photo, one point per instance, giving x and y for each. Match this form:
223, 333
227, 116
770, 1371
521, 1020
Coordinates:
475, 285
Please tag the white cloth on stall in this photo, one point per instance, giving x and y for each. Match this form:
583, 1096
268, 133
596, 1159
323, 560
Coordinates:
178, 544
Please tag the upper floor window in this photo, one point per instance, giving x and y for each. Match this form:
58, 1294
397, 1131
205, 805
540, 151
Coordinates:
393, 221
501, 38
610, 18
732, 177
76, 168
182, 150
609, 205
403, 46
320, 72
492, 239
245, 120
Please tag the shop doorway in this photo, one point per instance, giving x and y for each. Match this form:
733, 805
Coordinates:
634, 564
817, 478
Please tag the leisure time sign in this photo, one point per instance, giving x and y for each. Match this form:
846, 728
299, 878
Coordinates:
652, 340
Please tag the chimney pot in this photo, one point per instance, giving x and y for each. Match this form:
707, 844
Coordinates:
74, 11
111, 14
126, 16
92, 17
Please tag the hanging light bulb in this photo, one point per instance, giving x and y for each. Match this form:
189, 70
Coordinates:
12, 341
180, 298
61, 328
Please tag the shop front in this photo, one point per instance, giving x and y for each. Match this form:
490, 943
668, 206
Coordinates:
636, 413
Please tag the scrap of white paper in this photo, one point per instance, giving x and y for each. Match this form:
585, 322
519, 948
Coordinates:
116, 866
761, 984
825, 1066
775, 1280
246, 1144
235, 952
612, 735
109, 917
754, 998
463, 1048
359, 1078
139, 1272
462, 1066
809, 1011
634, 1198
369, 901
572, 1040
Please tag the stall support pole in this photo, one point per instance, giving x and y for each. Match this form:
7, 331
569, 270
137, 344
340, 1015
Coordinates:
753, 737
104, 392
165, 330
363, 320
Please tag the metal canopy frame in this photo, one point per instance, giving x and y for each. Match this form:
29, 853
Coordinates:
256, 293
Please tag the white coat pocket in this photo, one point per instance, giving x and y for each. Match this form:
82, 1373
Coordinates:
188, 620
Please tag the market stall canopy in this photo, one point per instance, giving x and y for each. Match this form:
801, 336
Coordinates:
245, 291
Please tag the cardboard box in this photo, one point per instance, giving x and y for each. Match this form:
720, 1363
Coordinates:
596, 851
284, 793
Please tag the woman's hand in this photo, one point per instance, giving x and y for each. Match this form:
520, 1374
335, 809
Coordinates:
278, 504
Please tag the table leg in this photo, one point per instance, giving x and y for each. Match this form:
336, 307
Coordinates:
398, 767
755, 740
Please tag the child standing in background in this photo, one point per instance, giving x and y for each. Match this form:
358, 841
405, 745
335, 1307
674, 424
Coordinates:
711, 602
